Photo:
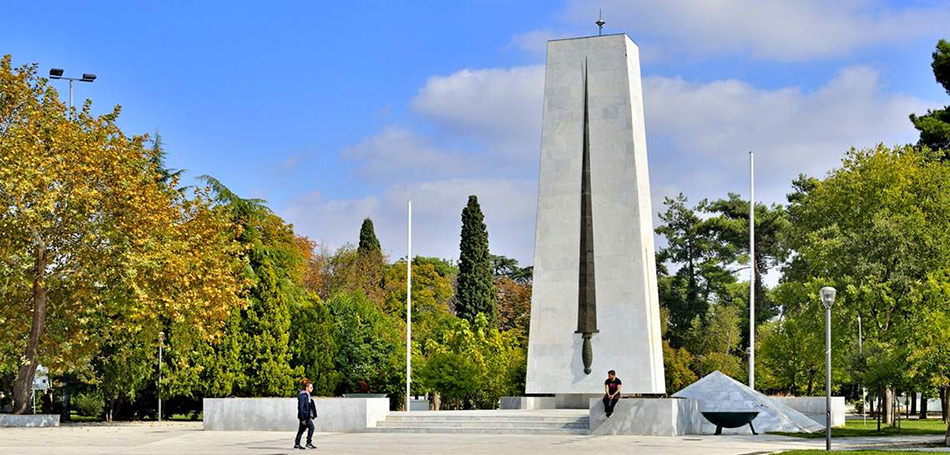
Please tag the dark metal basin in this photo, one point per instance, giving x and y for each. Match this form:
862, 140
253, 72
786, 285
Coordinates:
731, 419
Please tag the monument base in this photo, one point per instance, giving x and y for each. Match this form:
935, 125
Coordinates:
528, 403
575, 400
646, 417
557, 401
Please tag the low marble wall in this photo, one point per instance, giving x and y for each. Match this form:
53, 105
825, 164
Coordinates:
527, 403
646, 416
280, 414
29, 420
814, 408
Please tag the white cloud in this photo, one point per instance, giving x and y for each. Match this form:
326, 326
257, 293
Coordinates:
701, 132
498, 107
508, 205
698, 135
775, 30
398, 153
331, 221
535, 40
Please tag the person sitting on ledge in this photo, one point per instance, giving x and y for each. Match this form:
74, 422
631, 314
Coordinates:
611, 392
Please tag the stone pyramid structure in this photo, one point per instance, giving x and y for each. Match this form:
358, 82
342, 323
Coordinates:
718, 392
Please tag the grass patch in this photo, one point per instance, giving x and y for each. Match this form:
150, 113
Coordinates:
186, 417
857, 428
862, 452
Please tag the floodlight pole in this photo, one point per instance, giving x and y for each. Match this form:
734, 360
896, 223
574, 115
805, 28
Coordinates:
57, 73
751, 270
408, 306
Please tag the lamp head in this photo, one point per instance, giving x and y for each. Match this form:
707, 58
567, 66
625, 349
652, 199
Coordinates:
88, 77
827, 294
55, 73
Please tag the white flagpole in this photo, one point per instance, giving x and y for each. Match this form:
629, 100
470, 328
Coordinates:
408, 305
751, 270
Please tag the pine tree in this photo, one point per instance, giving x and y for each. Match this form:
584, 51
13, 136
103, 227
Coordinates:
934, 126
368, 241
476, 287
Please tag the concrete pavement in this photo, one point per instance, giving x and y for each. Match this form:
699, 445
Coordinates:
189, 438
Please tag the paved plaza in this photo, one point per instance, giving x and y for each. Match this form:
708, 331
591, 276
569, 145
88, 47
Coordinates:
189, 438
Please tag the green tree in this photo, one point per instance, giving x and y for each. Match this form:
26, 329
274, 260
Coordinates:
877, 229
677, 366
934, 126
369, 244
371, 355
273, 273
476, 289
314, 343
454, 375
91, 237
730, 227
702, 279
498, 357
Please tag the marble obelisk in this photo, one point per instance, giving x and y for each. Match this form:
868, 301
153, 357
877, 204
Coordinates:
594, 305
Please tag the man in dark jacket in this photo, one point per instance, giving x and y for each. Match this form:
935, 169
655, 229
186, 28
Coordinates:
306, 412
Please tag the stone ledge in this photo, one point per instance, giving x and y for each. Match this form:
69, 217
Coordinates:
280, 414
29, 420
646, 417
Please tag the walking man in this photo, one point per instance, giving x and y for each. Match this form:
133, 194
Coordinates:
306, 412
611, 392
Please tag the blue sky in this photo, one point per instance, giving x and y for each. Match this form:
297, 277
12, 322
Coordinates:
337, 112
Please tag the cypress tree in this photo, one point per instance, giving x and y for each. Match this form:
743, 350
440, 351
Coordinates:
476, 286
368, 241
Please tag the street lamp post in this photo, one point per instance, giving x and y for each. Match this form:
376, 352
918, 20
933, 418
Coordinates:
158, 389
57, 73
864, 392
827, 299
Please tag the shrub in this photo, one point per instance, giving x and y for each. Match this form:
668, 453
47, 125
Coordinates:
88, 404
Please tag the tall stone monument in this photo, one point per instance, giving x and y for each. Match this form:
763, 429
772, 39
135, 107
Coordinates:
594, 305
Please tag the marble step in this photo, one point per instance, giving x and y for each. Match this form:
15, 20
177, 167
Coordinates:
521, 431
456, 424
403, 418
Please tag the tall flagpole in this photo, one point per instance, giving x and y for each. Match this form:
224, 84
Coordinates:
408, 305
751, 270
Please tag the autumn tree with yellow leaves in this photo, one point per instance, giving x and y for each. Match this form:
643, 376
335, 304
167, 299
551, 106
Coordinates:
99, 246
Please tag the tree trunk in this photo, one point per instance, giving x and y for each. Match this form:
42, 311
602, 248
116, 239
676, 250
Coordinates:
913, 404
944, 404
24, 379
880, 400
923, 406
888, 408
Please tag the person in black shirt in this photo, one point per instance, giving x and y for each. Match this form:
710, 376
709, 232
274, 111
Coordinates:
611, 392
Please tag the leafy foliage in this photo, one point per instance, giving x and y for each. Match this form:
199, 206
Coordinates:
934, 126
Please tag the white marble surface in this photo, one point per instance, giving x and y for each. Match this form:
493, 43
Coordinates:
29, 420
814, 408
527, 403
646, 416
718, 392
625, 273
280, 414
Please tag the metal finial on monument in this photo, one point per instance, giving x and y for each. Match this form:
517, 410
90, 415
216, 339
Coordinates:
600, 22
